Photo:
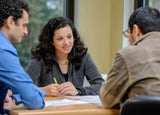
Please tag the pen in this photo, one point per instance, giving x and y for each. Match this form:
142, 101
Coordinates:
55, 80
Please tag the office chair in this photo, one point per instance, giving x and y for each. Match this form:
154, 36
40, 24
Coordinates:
141, 105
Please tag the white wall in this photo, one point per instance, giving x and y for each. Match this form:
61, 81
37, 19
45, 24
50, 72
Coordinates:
128, 9
104, 76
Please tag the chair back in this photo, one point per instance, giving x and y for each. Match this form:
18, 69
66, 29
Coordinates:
141, 105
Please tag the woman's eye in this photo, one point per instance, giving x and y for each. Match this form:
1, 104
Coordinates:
59, 39
69, 36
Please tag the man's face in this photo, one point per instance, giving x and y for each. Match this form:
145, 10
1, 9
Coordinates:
19, 29
131, 38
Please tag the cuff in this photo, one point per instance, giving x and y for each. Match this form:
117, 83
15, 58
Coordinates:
17, 98
81, 91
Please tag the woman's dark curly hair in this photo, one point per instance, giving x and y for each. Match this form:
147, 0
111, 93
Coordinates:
45, 49
12, 8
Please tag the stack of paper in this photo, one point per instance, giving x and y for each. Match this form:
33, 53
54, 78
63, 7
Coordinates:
63, 102
70, 100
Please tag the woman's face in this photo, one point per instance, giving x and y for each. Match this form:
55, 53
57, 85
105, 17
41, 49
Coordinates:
63, 40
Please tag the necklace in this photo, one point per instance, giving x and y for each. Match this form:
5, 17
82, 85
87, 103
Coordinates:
63, 63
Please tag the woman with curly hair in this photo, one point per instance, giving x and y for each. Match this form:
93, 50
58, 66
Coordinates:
60, 61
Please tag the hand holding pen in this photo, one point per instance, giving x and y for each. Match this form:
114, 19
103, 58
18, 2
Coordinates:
51, 90
67, 88
55, 89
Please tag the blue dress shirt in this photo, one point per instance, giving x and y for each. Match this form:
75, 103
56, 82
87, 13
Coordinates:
13, 76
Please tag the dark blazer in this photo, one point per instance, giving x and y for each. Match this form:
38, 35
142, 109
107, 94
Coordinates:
37, 70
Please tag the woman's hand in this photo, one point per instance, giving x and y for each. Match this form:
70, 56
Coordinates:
8, 99
67, 88
51, 90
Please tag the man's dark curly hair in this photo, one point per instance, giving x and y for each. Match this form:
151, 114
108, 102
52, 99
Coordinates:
12, 8
45, 49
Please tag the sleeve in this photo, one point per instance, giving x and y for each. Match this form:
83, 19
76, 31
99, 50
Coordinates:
93, 76
34, 70
116, 85
13, 75
3, 93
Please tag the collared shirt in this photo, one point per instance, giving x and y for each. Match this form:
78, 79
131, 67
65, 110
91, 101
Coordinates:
13, 76
136, 71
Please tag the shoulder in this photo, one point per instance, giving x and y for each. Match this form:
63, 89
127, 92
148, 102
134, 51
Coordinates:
86, 56
132, 54
7, 47
36, 63
128, 51
87, 60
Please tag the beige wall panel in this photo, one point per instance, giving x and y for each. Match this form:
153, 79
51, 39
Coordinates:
99, 24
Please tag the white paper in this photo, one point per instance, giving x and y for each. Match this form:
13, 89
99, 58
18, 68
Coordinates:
70, 100
63, 102
88, 98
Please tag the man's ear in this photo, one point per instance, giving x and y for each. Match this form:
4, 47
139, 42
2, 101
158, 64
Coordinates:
137, 31
10, 22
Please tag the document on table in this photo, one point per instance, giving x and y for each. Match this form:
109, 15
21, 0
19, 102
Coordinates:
88, 98
70, 100
63, 102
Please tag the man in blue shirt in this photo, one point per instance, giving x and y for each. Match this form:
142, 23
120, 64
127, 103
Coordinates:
14, 18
